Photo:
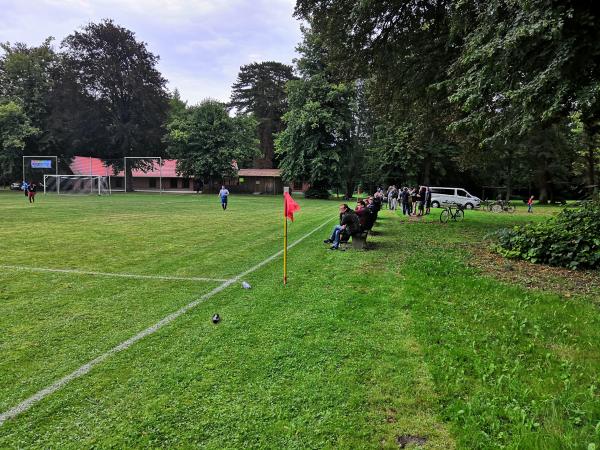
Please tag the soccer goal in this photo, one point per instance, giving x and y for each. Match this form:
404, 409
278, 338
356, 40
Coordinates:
77, 184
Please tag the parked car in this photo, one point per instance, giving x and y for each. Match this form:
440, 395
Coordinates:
441, 195
15, 186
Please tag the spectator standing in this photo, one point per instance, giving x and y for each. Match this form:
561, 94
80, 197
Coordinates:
404, 198
428, 200
393, 198
422, 194
415, 199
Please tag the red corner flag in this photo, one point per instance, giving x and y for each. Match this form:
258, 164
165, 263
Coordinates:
290, 206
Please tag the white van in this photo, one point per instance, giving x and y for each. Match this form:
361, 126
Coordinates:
441, 195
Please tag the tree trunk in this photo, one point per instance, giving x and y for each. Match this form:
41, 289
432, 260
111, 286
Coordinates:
427, 170
349, 189
509, 175
592, 169
129, 178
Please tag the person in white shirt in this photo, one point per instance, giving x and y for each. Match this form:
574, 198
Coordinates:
223, 193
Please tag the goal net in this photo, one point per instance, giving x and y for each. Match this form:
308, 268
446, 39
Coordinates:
77, 184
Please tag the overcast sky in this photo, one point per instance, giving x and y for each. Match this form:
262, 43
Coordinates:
201, 43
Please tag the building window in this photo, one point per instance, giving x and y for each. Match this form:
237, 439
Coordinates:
173, 183
152, 183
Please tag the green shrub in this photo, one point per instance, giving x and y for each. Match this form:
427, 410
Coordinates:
316, 192
571, 239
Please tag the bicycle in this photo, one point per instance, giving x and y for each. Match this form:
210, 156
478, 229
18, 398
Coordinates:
503, 205
486, 205
454, 211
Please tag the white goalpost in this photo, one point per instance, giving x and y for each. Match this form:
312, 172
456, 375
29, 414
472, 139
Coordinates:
77, 184
143, 158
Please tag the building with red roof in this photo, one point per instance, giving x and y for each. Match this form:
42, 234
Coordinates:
250, 181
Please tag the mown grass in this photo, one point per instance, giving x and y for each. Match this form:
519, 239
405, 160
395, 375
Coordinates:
359, 348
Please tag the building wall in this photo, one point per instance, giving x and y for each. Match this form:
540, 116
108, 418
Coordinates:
243, 185
150, 183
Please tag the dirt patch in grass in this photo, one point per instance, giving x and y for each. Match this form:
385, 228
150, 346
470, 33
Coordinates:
536, 276
408, 439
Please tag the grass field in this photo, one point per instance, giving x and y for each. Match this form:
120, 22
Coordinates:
405, 342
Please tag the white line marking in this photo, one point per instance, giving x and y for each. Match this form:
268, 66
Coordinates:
109, 274
29, 402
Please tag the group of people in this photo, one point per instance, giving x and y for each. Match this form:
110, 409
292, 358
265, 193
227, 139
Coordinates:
353, 221
412, 201
29, 189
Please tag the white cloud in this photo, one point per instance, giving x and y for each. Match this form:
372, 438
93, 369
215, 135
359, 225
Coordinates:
216, 44
201, 43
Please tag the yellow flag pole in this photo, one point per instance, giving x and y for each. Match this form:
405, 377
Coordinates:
285, 189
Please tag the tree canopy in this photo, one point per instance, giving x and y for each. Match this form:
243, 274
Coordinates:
260, 90
206, 141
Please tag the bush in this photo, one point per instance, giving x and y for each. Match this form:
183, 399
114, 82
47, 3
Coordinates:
571, 239
316, 192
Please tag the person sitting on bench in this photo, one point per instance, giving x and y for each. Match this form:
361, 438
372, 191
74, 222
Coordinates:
349, 225
364, 214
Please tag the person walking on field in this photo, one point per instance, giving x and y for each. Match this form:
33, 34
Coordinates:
224, 194
31, 192
530, 205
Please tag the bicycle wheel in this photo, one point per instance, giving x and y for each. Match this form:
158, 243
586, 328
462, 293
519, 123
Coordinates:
459, 216
496, 208
511, 209
444, 216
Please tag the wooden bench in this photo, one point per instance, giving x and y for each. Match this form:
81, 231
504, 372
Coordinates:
359, 240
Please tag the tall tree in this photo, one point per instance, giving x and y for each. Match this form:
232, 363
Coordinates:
15, 130
120, 75
317, 133
260, 90
27, 78
404, 50
205, 140
317, 143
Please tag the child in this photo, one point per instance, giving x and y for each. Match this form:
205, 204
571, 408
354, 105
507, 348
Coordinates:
530, 205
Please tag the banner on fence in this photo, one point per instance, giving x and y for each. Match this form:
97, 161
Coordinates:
41, 164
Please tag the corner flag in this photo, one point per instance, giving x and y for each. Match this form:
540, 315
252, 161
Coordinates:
289, 208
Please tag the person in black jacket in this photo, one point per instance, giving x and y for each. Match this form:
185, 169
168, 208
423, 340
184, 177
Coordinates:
349, 225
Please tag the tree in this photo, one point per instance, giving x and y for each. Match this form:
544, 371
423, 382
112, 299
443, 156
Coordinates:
317, 144
27, 78
205, 140
403, 51
260, 90
177, 107
15, 130
317, 134
525, 65
119, 74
